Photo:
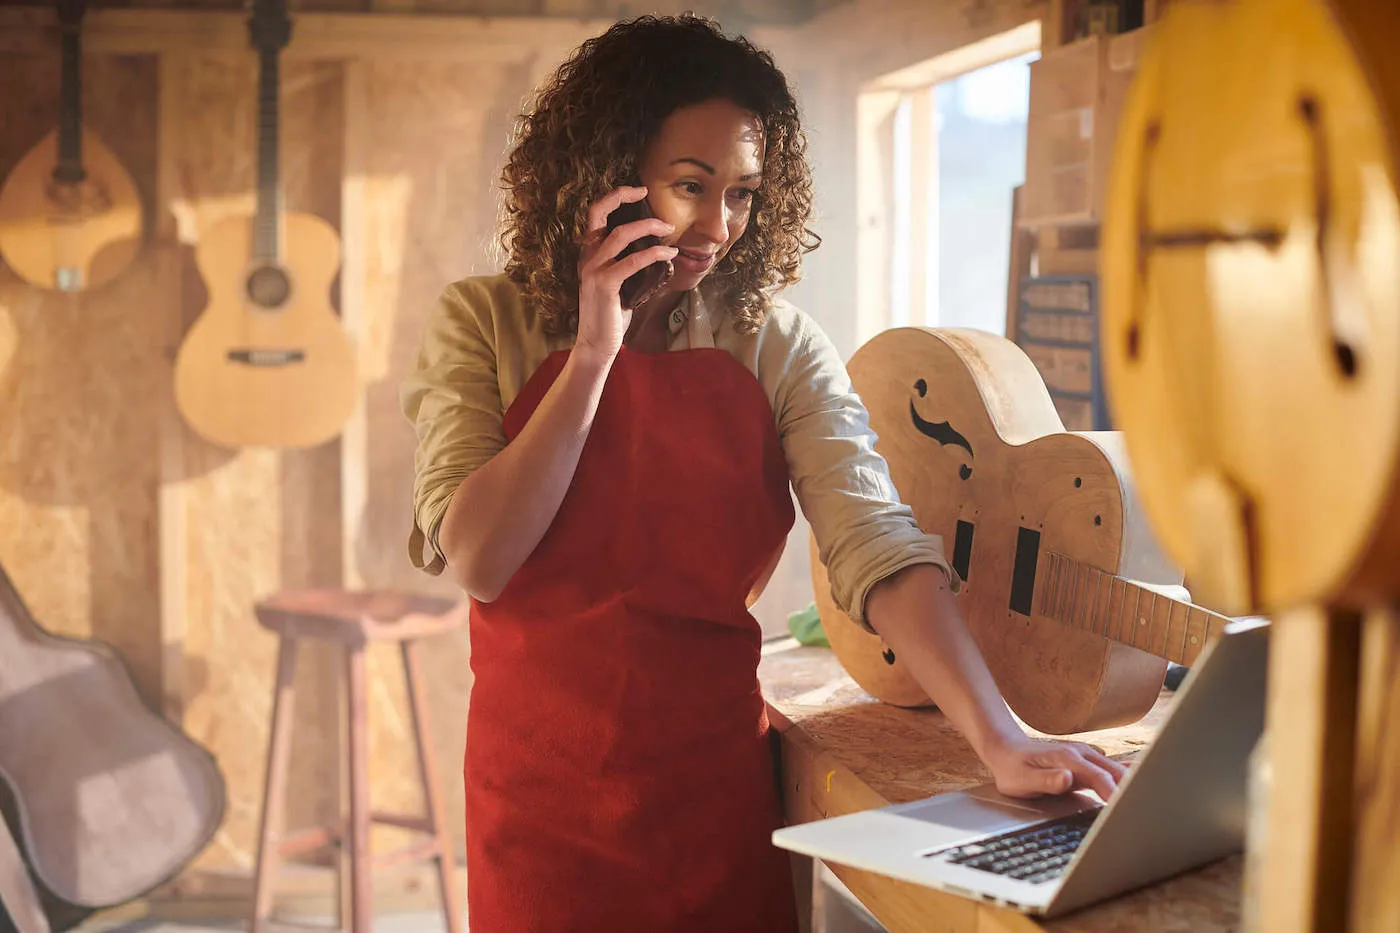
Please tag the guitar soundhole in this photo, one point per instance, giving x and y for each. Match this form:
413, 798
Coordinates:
76, 199
1346, 358
269, 286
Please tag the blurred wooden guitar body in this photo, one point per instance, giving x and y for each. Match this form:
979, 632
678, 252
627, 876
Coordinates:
267, 363
1040, 524
70, 215
1251, 298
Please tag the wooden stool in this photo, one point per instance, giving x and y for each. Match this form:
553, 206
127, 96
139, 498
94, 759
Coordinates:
353, 619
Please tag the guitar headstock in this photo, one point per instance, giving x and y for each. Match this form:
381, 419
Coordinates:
70, 12
269, 27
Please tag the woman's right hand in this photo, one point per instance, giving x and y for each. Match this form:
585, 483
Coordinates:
602, 321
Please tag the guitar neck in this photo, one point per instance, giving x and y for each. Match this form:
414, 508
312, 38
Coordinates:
1089, 599
69, 169
266, 228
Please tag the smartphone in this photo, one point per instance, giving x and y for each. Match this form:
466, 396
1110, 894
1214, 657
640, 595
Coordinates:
641, 285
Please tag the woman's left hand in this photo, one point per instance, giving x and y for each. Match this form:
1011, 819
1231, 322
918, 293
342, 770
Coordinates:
1027, 767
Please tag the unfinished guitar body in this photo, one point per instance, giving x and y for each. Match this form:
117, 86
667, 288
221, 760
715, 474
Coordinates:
976, 448
267, 363
112, 799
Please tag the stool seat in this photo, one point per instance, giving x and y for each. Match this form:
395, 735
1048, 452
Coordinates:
354, 617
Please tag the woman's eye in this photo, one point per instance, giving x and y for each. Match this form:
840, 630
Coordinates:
690, 187
745, 194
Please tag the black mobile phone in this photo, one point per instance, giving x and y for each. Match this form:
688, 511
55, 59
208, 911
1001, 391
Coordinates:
641, 285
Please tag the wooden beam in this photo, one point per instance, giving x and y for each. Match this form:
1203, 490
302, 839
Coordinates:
875, 206
874, 38
34, 30
923, 272
1311, 719
172, 502
354, 232
1019, 41
1019, 266
1375, 898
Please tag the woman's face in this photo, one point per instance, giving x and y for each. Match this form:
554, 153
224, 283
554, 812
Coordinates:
701, 172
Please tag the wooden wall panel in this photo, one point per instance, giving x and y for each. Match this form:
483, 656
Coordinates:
257, 520
80, 390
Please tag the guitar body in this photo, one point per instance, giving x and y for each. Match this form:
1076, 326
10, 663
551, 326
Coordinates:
1251, 298
252, 375
976, 448
69, 236
111, 800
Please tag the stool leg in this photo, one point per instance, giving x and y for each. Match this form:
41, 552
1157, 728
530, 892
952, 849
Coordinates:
417, 704
279, 748
360, 902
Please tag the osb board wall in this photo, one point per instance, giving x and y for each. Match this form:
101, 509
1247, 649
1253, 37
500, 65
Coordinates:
86, 400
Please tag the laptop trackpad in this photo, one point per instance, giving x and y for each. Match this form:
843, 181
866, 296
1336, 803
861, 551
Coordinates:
985, 811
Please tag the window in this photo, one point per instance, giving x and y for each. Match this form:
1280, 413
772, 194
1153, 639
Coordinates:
943, 145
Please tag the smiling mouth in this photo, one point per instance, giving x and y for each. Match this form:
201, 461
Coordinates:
699, 259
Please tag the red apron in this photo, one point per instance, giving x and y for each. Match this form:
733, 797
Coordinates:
619, 770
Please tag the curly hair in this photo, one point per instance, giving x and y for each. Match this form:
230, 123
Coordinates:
588, 128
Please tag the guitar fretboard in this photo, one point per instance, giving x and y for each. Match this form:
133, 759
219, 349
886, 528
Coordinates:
69, 169
1087, 598
265, 225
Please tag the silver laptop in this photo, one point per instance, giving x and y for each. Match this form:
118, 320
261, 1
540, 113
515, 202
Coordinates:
1181, 805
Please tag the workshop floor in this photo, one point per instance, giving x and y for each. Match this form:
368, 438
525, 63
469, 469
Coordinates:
834, 911
425, 922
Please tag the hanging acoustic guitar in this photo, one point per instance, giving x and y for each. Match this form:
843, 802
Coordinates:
1041, 525
70, 216
267, 363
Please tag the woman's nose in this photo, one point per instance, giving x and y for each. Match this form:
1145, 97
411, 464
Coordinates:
713, 222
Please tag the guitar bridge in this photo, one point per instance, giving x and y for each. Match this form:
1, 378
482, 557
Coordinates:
266, 357
68, 279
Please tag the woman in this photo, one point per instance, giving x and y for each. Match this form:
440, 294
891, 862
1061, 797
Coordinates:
610, 485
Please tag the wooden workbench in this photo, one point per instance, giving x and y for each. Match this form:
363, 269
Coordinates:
843, 751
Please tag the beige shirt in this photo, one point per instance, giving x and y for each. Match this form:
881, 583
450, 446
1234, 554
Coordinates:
483, 341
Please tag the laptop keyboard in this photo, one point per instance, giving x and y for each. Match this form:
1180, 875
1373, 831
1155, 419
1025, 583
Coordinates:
1037, 854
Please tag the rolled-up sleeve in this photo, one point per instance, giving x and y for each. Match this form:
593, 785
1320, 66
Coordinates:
864, 532
453, 399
